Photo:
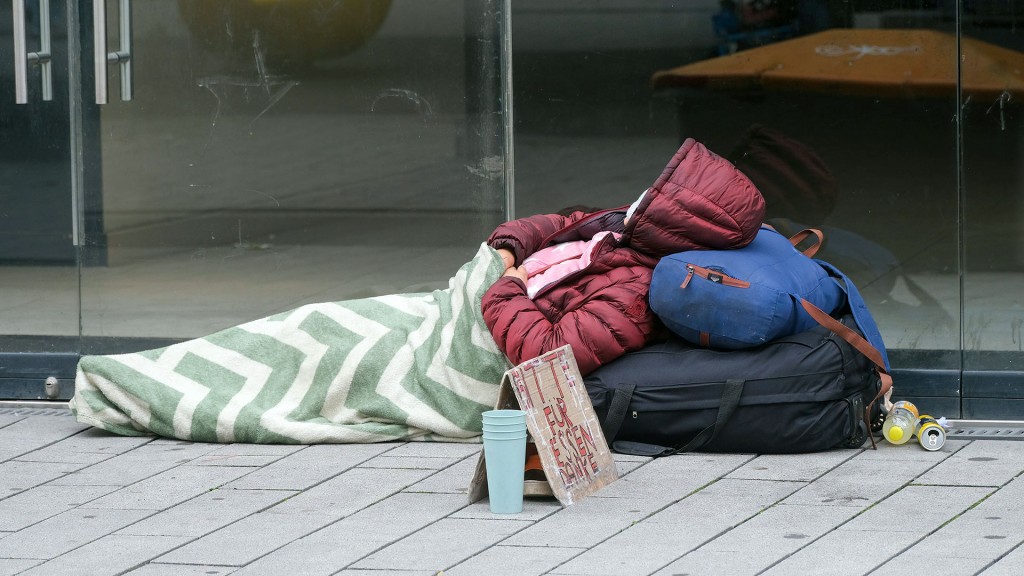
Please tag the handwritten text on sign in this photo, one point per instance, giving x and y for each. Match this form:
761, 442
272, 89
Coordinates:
553, 397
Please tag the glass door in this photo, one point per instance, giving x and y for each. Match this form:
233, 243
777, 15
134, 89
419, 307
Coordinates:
256, 155
194, 165
993, 211
38, 256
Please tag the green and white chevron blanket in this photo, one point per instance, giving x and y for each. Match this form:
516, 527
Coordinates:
401, 367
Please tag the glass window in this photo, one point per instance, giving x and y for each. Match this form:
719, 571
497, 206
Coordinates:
843, 113
276, 153
993, 211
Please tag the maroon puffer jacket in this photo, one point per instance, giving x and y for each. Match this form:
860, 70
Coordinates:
700, 201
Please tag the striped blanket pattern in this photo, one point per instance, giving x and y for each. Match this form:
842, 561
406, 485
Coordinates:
401, 367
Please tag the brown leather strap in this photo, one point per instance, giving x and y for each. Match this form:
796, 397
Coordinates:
804, 234
882, 391
705, 339
863, 346
846, 333
886, 385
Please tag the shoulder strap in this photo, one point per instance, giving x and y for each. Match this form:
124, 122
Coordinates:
859, 309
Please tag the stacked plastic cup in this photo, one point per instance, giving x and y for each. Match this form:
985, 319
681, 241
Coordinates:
505, 457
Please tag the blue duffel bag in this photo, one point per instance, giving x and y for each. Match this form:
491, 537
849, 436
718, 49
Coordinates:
746, 297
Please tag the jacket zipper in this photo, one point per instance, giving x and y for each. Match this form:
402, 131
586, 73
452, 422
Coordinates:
712, 276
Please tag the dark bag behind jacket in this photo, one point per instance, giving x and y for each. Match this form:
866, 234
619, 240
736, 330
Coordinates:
807, 392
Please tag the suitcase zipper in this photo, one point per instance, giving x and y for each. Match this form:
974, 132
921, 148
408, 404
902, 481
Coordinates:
712, 276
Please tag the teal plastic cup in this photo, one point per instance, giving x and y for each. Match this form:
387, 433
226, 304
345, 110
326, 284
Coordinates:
504, 427
505, 459
503, 416
510, 433
504, 434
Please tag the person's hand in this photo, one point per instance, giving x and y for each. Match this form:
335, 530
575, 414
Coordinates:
507, 257
519, 272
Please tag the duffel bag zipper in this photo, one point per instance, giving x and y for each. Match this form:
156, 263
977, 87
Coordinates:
712, 276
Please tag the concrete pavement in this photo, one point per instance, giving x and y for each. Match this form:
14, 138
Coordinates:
79, 501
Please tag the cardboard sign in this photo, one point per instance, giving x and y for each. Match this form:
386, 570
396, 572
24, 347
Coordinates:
561, 421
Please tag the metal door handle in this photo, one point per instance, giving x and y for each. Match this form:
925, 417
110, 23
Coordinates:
22, 57
123, 56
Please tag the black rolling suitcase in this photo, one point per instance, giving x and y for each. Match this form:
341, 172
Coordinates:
808, 392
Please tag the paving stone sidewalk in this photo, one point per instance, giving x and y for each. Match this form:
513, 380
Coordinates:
78, 501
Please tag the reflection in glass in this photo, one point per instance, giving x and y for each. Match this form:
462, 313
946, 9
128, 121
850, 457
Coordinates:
993, 215
845, 112
278, 153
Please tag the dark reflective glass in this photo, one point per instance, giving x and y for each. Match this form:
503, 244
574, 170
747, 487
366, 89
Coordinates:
843, 113
274, 153
993, 210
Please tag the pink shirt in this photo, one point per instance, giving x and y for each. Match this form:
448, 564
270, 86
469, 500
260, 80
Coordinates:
550, 265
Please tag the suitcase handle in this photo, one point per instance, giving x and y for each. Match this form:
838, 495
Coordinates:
617, 411
804, 234
731, 393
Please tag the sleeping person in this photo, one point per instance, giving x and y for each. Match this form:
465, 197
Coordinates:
425, 366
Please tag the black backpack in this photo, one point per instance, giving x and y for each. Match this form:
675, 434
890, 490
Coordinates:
807, 392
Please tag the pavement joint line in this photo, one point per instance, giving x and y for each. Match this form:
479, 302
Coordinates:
49, 482
781, 502
536, 520
83, 505
6, 424
998, 558
439, 471
750, 458
263, 509
201, 494
301, 536
154, 512
864, 510
402, 537
84, 468
83, 545
328, 479
527, 524
917, 541
534, 546
61, 439
725, 531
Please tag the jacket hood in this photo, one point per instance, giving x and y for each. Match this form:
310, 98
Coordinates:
700, 201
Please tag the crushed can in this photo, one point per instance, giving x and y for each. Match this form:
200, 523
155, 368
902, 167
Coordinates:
930, 434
